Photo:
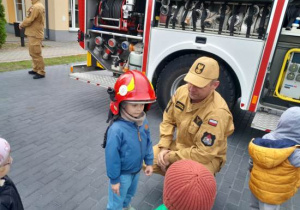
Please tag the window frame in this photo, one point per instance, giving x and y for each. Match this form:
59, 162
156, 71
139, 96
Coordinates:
16, 10
72, 9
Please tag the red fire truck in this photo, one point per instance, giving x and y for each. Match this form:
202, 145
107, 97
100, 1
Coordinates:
255, 41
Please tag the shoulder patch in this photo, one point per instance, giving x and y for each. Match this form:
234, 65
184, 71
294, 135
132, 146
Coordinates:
213, 122
179, 105
208, 139
146, 126
198, 121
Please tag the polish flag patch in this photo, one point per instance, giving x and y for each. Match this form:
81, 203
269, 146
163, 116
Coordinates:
213, 122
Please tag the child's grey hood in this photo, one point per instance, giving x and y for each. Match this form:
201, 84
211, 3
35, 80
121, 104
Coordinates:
288, 126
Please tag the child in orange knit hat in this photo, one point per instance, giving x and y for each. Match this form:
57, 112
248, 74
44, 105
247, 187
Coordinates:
188, 185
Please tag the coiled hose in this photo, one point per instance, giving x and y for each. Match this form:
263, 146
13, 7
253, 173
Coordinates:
114, 10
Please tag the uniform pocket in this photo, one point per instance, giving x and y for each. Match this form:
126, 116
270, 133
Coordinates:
37, 49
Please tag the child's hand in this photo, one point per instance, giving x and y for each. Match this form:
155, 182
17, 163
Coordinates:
149, 170
116, 188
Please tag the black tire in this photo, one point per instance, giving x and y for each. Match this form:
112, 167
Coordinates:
174, 72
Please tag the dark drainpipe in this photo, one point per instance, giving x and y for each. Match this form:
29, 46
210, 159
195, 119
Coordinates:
47, 20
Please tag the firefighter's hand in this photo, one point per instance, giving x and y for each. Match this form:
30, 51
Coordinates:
116, 188
162, 160
148, 170
20, 27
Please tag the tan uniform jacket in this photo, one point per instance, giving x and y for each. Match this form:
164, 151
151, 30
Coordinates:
201, 129
35, 21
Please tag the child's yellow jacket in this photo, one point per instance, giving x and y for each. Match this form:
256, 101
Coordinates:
273, 179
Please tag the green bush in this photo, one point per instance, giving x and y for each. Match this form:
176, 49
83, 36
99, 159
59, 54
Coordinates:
2, 25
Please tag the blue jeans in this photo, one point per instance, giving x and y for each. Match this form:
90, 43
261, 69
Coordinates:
128, 187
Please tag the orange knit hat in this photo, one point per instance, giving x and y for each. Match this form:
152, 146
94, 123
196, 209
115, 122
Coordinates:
189, 185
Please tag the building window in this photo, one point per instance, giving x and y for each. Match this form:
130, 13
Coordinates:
20, 10
73, 15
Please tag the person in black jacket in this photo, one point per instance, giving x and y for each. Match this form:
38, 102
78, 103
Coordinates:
9, 196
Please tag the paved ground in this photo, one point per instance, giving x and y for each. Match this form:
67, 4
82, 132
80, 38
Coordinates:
14, 51
55, 126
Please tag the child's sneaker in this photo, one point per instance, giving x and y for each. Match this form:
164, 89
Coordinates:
129, 208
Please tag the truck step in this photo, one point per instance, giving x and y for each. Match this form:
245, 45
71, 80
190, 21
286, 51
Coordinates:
100, 78
266, 120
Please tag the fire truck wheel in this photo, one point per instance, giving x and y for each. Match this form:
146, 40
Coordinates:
174, 72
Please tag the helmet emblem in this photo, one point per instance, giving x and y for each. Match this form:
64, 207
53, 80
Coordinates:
123, 90
199, 68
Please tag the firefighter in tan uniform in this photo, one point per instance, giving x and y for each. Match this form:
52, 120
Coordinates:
201, 119
34, 30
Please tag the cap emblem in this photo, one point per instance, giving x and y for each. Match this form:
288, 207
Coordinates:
199, 68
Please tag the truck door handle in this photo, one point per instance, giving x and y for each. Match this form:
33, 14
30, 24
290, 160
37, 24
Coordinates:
200, 40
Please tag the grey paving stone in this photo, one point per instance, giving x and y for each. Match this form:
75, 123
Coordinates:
52, 173
98, 206
246, 195
225, 187
83, 195
230, 206
52, 206
241, 175
138, 199
230, 176
244, 205
239, 151
64, 198
46, 199
296, 200
153, 196
220, 201
84, 173
101, 193
98, 183
70, 205
143, 188
224, 169
28, 190
234, 197
233, 166
238, 185
237, 159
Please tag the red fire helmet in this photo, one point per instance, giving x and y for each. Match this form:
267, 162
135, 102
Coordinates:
132, 86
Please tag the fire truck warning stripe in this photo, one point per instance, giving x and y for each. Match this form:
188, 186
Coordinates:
267, 52
147, 35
